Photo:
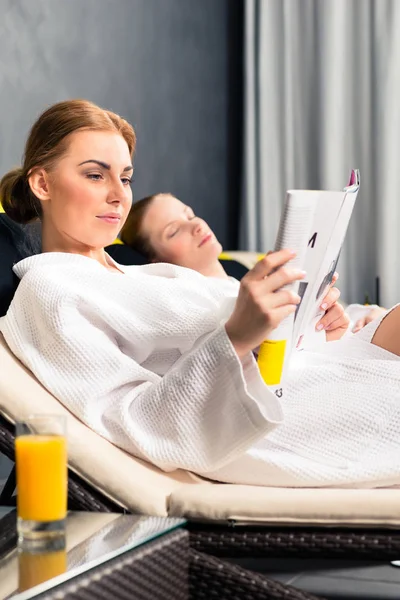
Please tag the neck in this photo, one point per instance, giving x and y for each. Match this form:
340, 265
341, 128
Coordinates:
51, 243
214, 270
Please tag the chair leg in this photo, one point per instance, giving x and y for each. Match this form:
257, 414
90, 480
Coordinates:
6, 496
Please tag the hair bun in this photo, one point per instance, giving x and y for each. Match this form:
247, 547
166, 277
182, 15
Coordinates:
16, 197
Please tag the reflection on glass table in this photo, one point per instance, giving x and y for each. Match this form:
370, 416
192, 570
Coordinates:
91, 540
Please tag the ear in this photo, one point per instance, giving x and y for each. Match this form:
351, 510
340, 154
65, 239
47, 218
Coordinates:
38, 181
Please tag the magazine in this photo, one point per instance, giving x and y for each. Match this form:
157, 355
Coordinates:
314, 223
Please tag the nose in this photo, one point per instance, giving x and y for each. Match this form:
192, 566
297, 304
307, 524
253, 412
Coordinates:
118, 193
198, 226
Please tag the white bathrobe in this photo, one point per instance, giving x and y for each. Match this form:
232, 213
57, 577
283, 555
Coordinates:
143, 359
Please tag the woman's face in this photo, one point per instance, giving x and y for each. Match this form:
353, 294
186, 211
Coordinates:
87, 196
177, 236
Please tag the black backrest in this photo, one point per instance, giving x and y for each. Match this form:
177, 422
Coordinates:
16, 242
125, 255
234, 268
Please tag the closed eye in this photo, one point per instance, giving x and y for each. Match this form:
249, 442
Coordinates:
172, 233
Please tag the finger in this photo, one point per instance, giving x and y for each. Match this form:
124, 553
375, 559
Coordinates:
282, 312
270, 263
283, 297
335, 277
341, 323
334, 313
283, 276
331, 297
260, 257
359, 325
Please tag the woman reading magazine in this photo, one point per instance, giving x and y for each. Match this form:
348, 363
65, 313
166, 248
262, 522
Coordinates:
158, 358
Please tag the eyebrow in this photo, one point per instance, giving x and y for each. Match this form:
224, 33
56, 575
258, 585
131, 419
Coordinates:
104, 165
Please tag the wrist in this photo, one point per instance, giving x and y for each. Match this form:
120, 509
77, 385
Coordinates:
241, 348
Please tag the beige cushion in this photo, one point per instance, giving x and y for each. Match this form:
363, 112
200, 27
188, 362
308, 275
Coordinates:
132, 483
246, 258
142, 488
287, 506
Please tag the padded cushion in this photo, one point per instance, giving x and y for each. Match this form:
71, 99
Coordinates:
244, 257
288, 506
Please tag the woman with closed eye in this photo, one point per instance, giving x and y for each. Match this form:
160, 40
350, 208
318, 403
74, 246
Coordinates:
164, 229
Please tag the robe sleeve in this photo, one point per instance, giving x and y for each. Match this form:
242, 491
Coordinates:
207, 410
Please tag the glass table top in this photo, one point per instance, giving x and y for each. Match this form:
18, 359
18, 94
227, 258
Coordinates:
90, 540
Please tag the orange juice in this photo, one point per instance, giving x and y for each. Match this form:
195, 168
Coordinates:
37, 568
41, 462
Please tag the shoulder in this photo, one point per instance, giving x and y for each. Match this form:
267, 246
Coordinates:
54, 262
51, 278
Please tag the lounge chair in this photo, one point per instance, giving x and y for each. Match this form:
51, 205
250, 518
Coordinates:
227, 521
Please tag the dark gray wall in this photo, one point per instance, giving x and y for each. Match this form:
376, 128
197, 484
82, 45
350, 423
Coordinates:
163, 64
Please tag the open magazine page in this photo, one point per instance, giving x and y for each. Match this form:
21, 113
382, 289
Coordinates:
314, 223
331, 220
294, 232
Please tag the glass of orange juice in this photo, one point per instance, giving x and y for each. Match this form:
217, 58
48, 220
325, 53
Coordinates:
41, 464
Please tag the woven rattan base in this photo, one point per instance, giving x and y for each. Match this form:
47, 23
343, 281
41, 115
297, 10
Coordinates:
8, 533
211, 577
156, 571
241, 541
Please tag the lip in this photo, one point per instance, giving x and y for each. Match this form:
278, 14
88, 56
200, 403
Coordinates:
111, 218
206, 239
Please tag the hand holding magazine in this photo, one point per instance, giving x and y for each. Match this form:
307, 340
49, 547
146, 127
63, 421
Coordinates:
314, 223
